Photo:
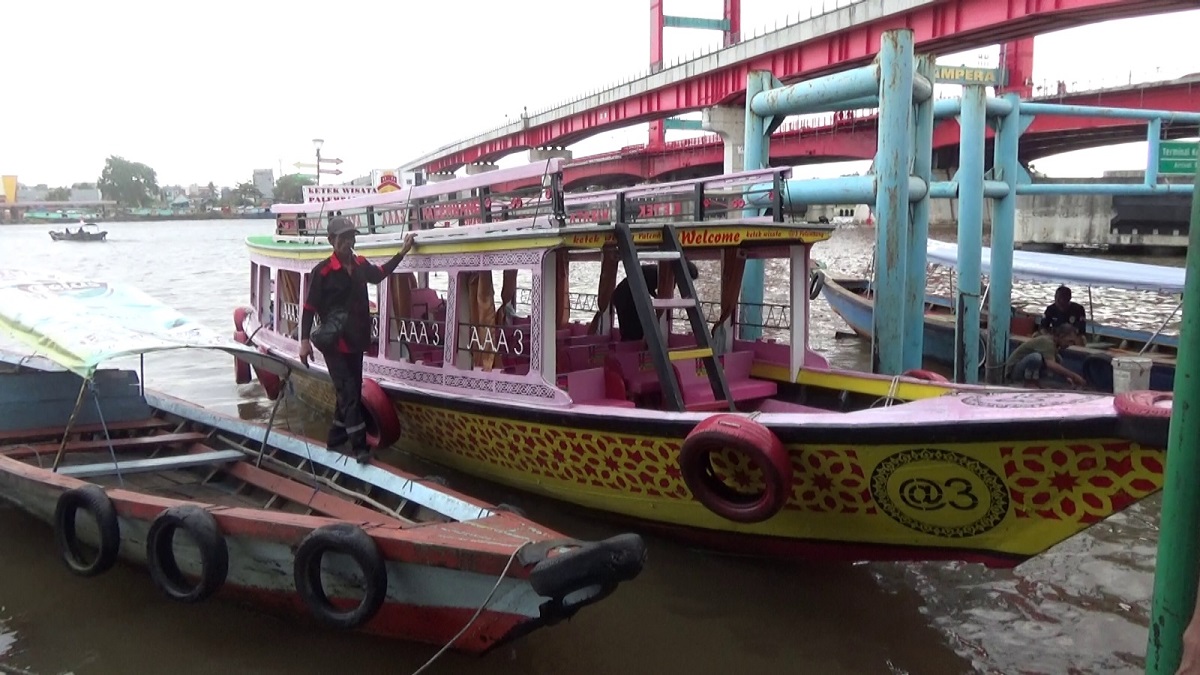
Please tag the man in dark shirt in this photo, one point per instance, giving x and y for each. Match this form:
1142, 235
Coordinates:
1063, 311
340, 282
622, 301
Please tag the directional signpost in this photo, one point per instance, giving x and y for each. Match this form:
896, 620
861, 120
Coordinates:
1177, 157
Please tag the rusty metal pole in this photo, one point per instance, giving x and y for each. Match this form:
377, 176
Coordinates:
1178, 563
892, 160
972, 130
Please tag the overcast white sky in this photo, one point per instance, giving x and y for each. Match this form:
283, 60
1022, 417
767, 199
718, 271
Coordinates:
208, 91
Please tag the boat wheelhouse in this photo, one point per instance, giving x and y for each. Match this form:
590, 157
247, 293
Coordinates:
722, 426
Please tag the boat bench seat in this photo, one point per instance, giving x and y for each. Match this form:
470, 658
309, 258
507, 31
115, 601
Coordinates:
152, 464
636, 369
595, 386
698, 393
583, 357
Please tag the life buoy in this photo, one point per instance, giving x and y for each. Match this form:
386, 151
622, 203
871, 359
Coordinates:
815, 284
1145, 403
927, 375
202, 527
241, 369
350, 541
383, 427
94, 500
732, 432
270, 382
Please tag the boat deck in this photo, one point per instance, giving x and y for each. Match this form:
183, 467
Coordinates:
175, 459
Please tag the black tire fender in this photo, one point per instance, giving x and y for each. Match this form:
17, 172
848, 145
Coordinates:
352, 541
815, 284
601, 563
94, 500
202, 527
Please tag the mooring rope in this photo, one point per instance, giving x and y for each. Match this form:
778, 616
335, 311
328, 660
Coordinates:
478, 612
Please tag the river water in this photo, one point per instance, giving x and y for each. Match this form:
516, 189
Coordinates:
1080, 608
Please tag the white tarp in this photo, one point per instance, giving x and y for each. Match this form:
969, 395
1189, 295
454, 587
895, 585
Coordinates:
1071, 270
81, 323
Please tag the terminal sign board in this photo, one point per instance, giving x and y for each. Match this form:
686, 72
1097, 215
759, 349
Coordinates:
1177, 157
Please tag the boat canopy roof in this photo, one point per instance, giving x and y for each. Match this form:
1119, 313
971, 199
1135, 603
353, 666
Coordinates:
527, 207
1070, 269
80, 323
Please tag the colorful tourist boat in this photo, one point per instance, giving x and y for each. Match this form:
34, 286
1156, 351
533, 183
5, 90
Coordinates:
762, 450
852, 300
263, 508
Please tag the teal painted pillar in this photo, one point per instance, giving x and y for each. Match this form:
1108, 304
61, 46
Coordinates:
1004, 217
1178, 563
918, 233
1153, 143
758, 149
891, 201
970, 233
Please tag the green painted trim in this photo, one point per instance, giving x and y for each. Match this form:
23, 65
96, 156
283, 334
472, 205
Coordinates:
676, 123
692, 22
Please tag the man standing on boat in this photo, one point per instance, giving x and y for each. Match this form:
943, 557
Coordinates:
1036, 356
337, 293
622, 301
1063, 311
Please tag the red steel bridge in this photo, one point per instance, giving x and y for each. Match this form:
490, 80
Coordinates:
835, 40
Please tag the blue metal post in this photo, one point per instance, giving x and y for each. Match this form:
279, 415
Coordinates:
1153, 143
817, 93
891, 201
970, 233
757, 157
1004, 216
918, 232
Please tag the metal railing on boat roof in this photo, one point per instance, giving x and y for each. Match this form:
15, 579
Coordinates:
484, 210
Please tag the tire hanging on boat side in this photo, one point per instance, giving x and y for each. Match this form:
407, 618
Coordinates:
202, 528
927, 375
271, 383
94, 500
383, 426
744, 436
241, 369
352, 541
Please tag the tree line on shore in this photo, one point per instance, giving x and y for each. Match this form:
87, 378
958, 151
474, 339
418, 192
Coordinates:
135, 185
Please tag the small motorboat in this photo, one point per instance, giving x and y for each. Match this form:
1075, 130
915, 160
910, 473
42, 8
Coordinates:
119, 472
86, 232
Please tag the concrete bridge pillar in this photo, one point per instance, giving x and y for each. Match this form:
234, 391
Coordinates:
439, 177
476, 169
729, 123
543, 154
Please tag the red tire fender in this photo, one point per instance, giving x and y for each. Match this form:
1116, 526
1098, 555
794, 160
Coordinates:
927, 375
241, 369
727, 431
271, 383
239, 318
1144, 403
383, 427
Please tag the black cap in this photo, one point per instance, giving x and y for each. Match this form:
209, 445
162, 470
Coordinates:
340, 225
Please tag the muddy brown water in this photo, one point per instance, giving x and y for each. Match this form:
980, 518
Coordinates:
1080, 608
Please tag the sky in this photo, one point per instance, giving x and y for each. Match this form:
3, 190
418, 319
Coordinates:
209, 91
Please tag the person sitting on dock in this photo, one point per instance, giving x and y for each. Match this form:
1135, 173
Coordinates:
1063, 311
622, 301
1030, 362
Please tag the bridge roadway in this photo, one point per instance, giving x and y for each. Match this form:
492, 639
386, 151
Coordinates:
828, 139
842, 38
